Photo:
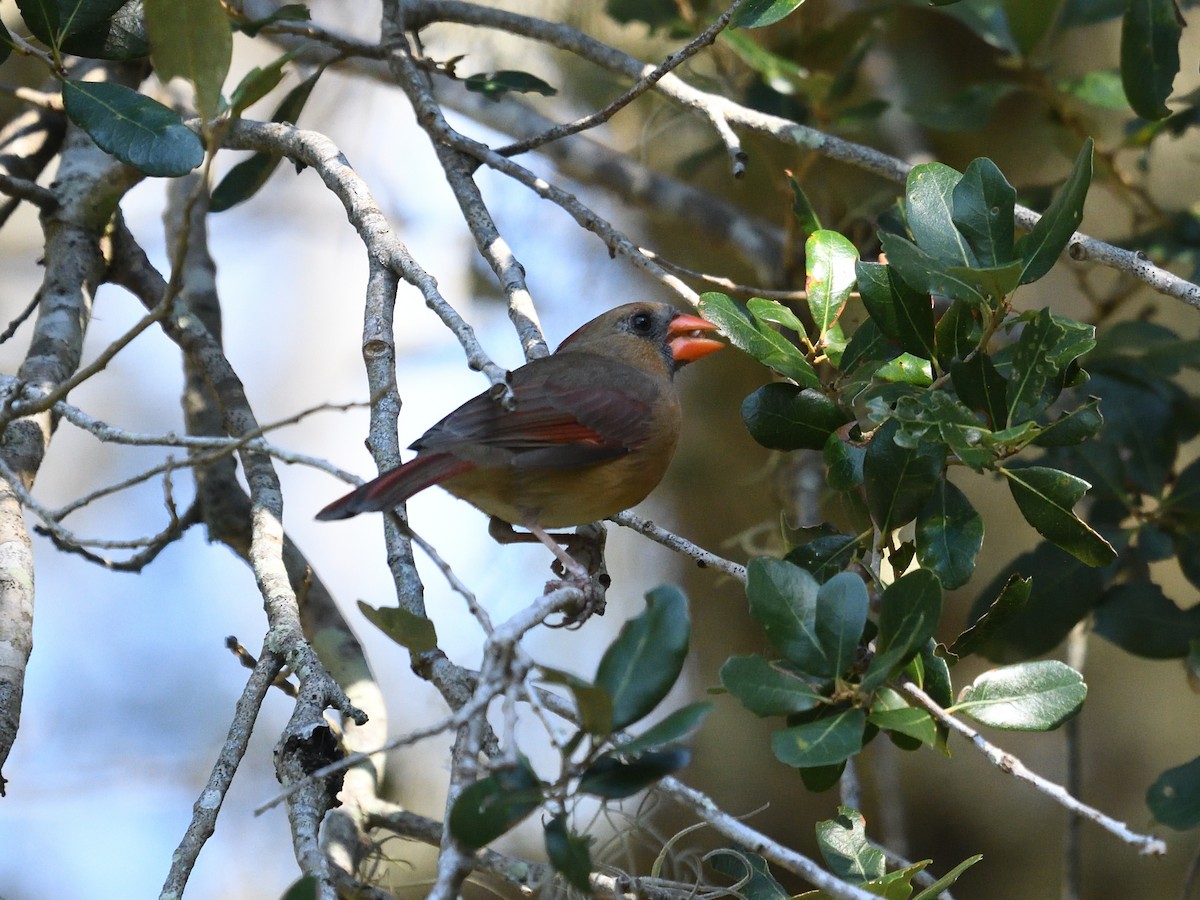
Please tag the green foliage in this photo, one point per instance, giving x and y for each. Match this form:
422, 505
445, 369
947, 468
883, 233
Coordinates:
413, 632
495, 85
492, 805
1035, 696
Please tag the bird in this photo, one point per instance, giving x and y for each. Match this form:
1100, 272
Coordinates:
590, 431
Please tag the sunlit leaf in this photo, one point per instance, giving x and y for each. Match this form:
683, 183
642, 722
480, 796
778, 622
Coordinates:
1047, 498
847, 852
191, 39
829, 262
1040, 248
823, 742
1035, 696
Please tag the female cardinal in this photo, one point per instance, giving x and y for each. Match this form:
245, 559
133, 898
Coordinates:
591, 432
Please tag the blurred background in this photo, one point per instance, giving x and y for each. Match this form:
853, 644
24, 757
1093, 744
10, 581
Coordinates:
130, 689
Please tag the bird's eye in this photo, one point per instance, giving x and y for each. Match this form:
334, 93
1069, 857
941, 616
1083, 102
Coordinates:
641, 323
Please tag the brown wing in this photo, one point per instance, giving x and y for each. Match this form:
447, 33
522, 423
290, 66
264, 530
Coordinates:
569, 411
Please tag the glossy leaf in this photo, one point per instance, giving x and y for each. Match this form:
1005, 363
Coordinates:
1150, 33
642, 665
1140, 619
829, 262
409, 630
615, 779
814, 627
759, 13
1036, 380
924, 274
909, 612
191, 39
676, 727
903, 314
982, 209
1035, 696
494, 804
899, 480
770, 689
847, 852
994, 283
774, 312
1047, 498
787, 417
823, 742
569, 853
1174, 798
891, 712
120, 35
843, 463
958, 331
825, 556
133, 128
41, 17
1074, 427
495, 85
906, 369
929, 208
981, 388
1012, 600
767, 346
821, 778
1040, 248
949, 535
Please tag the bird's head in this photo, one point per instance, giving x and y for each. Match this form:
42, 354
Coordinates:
640, 332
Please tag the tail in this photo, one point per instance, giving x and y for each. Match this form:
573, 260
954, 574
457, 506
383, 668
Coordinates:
396, 485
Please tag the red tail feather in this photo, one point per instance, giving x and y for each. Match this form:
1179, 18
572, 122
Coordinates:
395, 486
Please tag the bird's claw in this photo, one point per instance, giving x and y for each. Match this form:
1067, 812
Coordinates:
592, 600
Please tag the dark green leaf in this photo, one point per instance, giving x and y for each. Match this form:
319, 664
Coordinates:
751, 872
643, 663
899, 480
994, 283
302, 889
133, 128
775, 313
1029, 22
1139, 618
825, 556
904, 315
1034, 696
1041, 247
767, 346
803, 210
1047, 498
829, 262
822, 778
244, 180
1012, 600
614, 779
847, 852
42, 19
769, 689
119, 36
5, 42
891, 712
495, 85
923, 273
1150, 35
958, 331
1064, 590
1174, 798
949, 535
824, 742
1036, 376
569, 853
758, 13
191, 39
815, 627
786, 417
867, 345
413, 632
981, 388
909, 613
1079, 425
676, 727
928, 207
494, 804
843, 464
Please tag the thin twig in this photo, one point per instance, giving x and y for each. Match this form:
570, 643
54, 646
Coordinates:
1148, 845
703, 558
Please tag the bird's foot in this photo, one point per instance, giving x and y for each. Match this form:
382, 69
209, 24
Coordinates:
592, 590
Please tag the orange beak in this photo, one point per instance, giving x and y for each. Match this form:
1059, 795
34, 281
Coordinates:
687, 341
